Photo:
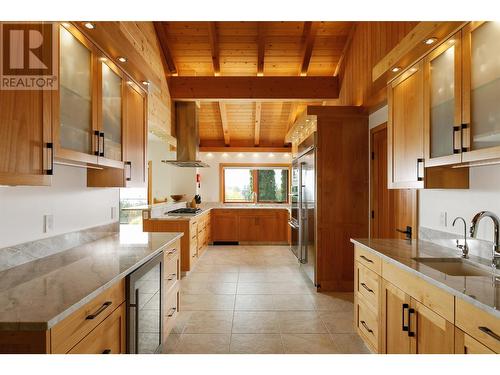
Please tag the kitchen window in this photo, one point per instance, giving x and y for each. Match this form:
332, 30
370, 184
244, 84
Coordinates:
254, 183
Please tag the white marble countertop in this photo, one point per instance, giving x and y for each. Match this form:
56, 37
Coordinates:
39, 294
481, 291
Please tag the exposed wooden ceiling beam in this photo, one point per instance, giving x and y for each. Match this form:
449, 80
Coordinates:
345, 49
309, 36
258, 111
257, 88
225, 125
261, 49
292, 115
161, 33
214, 46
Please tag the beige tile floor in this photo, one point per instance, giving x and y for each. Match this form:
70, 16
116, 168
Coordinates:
255, 299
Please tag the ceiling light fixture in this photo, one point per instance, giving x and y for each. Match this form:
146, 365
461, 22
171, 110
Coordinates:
103, 59
89, 25
145, 83
129, 83
122, 59
430, 41
395, 69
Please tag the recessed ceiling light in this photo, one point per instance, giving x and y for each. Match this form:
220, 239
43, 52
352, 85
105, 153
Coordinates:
129, 82
103, 59
145, 83
122, 59
413, 70
89, 25
395, 69
430, 41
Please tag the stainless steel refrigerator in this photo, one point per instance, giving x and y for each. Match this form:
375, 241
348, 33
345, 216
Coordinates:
303, 212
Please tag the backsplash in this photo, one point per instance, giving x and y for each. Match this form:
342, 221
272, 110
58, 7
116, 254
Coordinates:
479, 248
13, 256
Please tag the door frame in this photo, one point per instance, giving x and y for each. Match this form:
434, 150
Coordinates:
374, 130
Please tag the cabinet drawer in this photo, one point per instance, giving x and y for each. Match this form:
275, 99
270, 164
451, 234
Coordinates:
368, 286
479, 324
107, 338
172, 301
171, 274
367, 324
173, 251
75, 327
368, 259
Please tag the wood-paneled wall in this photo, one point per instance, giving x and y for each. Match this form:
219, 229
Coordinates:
370, 42
143, 38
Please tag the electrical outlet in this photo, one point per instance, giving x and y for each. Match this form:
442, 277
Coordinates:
113, 212
48, 223
443, 219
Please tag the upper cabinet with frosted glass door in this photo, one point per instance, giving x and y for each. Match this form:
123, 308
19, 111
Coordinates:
110, 114
442, 103
481, 91
76, 129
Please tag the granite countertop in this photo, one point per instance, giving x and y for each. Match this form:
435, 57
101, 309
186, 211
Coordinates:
481, 291
223, 207
39, 294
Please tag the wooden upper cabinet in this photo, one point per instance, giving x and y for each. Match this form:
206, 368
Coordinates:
75, 112
481, 90
405, 130
111, 87
442, 103
25, 137
135, 137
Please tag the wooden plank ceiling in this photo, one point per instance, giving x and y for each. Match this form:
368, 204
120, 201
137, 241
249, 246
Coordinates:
251, 49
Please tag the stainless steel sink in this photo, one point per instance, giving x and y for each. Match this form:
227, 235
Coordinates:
454, 266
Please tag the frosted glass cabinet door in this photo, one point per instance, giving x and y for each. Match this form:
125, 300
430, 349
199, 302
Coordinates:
443, 103
484, 47
75, 132
112, 113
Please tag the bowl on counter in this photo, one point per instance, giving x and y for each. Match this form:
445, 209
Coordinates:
177, 197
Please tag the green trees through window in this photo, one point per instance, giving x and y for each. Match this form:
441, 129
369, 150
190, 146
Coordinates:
259, 184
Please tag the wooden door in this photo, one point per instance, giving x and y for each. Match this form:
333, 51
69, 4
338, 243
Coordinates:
135, 136
481, 90
465, 344
395, 305
431, 333
391, 209
443, 103
225, 226
25, 137
405, 130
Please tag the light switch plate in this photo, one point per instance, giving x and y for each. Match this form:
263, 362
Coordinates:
48, 223
113, 212
443, 219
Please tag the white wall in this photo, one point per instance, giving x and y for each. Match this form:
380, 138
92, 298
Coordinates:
73, 205
209, 190
483, 194
169, 179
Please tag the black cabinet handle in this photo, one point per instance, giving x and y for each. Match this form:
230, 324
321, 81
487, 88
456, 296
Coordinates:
104, 306
457, 130
366, 287
172, 312
404, 328
366, 326
407, 232
489, 332
172, 276
107, 351
463, 128
410, 333
50, 158
129, 163
101, 135
365, 258
419, 160
97, 143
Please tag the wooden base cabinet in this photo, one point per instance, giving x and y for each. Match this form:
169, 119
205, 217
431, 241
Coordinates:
395, 306
465, 344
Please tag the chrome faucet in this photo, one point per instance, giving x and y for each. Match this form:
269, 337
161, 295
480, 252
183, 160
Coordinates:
495, 261
464, 247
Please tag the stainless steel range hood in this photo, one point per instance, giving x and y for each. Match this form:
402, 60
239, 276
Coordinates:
186, 127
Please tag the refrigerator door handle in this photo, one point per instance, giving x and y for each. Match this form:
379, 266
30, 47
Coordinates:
301, 226
304, 223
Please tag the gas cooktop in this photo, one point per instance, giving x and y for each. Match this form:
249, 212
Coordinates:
184, 211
